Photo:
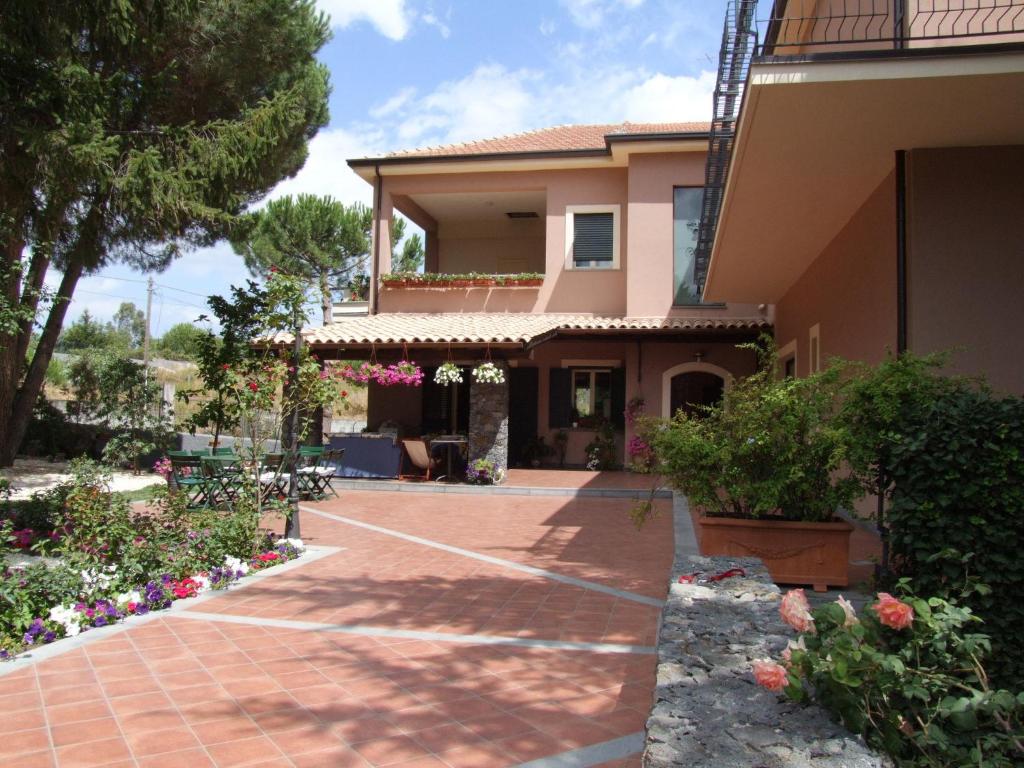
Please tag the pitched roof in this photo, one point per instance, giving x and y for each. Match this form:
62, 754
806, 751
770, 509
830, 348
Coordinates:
497, 328
560, 138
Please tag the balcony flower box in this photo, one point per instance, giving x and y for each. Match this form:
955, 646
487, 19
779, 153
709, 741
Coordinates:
437, 280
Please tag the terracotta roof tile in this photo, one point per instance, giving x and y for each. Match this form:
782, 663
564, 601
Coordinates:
496, 328
560, 138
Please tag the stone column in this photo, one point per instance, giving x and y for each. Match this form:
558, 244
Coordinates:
488, 421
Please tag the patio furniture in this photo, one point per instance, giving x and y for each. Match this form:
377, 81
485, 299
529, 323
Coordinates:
419, 456
273, 476
307, 463
189, 478
367, 455
450, 443
224, 478
227, 451
323, 472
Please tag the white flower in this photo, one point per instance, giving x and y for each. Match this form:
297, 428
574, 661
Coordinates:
129, 597
235, 565
67, 617
488, 373
203, 581
448, 373
295, 543
851, 614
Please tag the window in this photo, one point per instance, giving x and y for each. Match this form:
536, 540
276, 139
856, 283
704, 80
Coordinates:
787, 360
686, 205
591, 396
814, 349
592, 237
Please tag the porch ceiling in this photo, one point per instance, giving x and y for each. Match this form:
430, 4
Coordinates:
817, 137
516, 330
480, 206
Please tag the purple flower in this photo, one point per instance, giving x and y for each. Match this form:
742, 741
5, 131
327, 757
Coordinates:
50, 636
111, 611
4, 654
166, 579
28, 639
100, 621
141, 609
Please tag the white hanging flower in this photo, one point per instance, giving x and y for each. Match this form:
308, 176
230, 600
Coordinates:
488, 373
448, 373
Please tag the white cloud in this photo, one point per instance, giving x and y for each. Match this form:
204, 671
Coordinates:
393, 104
590, 14
326, 171
495, 101
432, 20
390, 17
547, 27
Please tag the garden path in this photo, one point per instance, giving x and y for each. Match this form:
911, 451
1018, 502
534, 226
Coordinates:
446, 630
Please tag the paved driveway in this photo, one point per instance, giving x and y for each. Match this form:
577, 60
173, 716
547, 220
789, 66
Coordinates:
430, 630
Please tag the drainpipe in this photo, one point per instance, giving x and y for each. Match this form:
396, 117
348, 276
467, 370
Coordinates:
901, 251
375, 261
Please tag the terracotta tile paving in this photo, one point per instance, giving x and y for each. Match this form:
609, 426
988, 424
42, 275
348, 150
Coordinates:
193, 692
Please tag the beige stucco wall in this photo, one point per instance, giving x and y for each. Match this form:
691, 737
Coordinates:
491, 247
849, 291
966, 259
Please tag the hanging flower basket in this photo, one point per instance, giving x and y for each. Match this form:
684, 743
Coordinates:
403, 372
448, 373
488, 373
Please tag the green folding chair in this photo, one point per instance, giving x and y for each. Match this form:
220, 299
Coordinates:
190, 479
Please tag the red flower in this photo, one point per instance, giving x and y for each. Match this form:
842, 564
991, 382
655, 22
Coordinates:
267, 557
273, 270
254, 386
344, 393
226, 367
132, 607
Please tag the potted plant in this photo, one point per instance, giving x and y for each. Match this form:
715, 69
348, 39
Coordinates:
764, 470
448, 373
535, 451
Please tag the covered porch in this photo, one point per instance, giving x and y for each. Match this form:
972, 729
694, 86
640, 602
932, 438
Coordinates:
567, 382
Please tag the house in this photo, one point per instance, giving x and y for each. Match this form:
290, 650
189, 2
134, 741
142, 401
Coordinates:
868, 162
599, 224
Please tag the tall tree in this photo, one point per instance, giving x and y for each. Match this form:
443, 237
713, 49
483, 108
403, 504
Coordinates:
410, 258
130, 321
130, 129
317, 238
181, 341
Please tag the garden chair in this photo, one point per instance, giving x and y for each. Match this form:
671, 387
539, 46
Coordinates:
418, 454
223, 473
200, 452
317, 478
227, 451
189, 478
306, 464
273, 476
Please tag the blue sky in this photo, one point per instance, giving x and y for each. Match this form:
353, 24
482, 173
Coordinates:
412, 73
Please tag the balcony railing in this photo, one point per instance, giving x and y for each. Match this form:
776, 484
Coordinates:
810, 25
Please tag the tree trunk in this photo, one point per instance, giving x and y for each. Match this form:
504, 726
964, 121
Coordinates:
10, 363
322, 417
20, 411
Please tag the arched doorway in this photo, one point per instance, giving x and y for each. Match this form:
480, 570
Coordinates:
692, 384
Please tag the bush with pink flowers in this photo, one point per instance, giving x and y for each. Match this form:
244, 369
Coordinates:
907, 674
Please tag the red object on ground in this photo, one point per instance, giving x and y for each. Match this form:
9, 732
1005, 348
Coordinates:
690, 578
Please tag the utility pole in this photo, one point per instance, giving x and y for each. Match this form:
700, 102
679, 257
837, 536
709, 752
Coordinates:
149, 314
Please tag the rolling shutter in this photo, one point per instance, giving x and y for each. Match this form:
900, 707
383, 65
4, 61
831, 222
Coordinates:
592, 238
559, 398
618, 397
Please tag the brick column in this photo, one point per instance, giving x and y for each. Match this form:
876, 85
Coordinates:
488, 421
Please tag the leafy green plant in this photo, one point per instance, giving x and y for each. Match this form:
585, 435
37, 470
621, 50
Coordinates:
906, 674
600, 452
772, 447
431, 278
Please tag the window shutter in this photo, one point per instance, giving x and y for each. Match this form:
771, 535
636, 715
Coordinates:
592, 237
559, 398
618, 397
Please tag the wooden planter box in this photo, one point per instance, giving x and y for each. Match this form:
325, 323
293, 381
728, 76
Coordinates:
794, 552
474, 283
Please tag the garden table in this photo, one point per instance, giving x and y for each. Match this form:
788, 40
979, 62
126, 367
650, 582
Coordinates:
450, 443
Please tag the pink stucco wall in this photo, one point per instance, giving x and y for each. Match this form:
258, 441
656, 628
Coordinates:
849, 291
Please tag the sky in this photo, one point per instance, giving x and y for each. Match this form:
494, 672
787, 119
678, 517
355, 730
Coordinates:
416, 73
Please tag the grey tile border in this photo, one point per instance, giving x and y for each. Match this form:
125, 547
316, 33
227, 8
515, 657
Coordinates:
394, 486
533, 571
67, 644
594, 754
367, 630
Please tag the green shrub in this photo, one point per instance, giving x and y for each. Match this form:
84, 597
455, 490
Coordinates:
771, 447
951, 455
907, 675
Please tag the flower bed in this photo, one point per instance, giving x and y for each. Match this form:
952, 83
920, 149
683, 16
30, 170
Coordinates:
106, 561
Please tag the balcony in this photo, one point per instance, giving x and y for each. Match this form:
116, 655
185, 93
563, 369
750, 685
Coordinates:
468, 292
812, 27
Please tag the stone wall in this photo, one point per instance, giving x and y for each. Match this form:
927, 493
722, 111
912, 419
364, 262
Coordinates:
708, 711
488, 422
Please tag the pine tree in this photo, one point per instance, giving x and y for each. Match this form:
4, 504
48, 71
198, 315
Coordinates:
129, 130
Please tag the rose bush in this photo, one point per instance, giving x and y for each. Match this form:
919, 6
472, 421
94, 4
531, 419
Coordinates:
906, 674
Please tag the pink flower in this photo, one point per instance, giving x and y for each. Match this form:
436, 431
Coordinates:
851, 614
771, 675
892, 612
796, 611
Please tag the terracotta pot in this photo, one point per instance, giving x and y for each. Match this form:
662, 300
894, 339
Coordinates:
794, 552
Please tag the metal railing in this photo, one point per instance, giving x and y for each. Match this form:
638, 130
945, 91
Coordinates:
795, 25
739, 39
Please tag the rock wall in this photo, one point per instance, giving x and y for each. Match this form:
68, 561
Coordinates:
488, 422
708, 711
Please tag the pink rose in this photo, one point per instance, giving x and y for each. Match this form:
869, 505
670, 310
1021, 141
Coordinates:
796, 611
770, 675
892, 612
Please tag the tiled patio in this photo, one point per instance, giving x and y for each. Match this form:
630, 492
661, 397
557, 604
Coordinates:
448, 631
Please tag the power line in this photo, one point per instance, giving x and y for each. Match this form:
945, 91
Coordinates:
158, 285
